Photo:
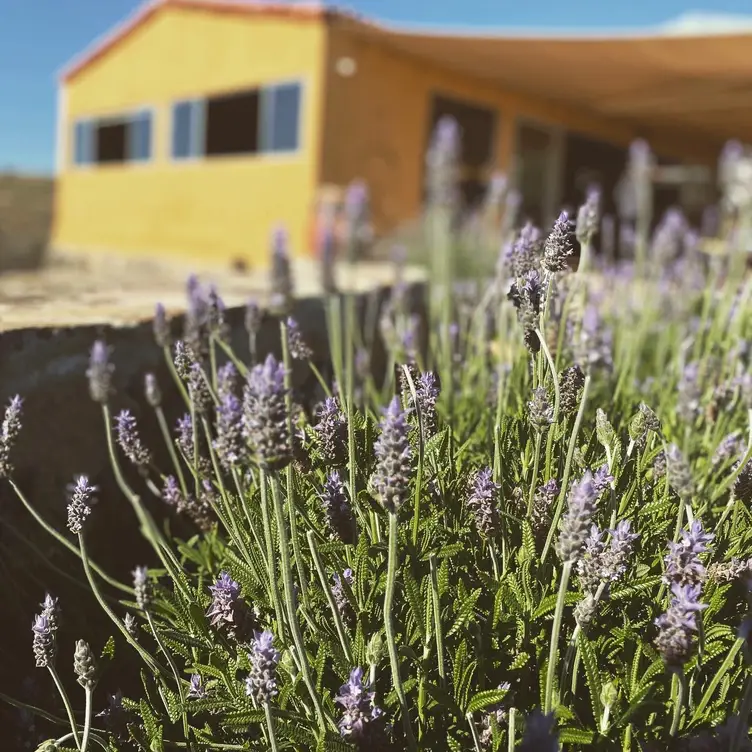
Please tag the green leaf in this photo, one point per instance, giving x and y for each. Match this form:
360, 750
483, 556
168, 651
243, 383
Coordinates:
465, 611
486, 699
519, 661
590, 661
108, 651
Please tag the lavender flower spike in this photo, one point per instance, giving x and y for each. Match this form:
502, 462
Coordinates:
331, 432
44, 643
10, 429
676, 627
575, 524
229, 444
129, 440
391, 481
197, 690
99, 372
427, 392
81, 498
299, 350
261, 683
161, 327
558, 246
337, 507
141, 587
281, 273
540, 735
484, 502
265, 415
359, 709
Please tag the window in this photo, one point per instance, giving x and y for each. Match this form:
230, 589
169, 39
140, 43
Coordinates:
281, 110
83, 148
139, 137
113, 140
232, 124
187, 129
247, 122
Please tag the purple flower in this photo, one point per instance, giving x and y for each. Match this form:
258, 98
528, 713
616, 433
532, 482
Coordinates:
540, 412
184, 438
522, 255
558, 246
161, 327
358, 709
10, 430
81, 498
183, 358
689, 394
545, 496
51, 610
588, 217
427, 392
331, 433
152, 391
570, 385
265, 422
100, 372
197, 315
442, 163
676, 627
484, 503
198, 389
253, 318
391, 481
575, 524
602, 478
44, 642
171, 493
281, 272
298, 348
129, 440
679, 473
540, 734
142, 587
338, 592
742, 487
337, 507
229, 443
683, 564
261, 683
225, 592
197, 690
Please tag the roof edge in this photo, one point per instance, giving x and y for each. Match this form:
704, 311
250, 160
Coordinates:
104, 43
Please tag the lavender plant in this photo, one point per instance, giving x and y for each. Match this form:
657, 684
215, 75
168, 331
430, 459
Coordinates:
529, 558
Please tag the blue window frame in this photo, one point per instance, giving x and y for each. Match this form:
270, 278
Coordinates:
139, 137
84, 134
188, 129
280, 118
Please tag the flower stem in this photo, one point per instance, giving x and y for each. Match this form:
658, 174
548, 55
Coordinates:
343, 637
436, 603
679, 702
287, 581
65, 542
742, 729
391, 578
171, 449
555, 630
474, 732
270, 727
66, 703
87, 720
147, 657
270, 559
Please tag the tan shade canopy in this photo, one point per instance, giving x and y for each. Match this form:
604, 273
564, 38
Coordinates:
698, 83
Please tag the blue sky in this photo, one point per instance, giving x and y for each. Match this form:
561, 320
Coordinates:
38, 36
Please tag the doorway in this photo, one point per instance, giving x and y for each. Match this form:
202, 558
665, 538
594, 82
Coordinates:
478, 126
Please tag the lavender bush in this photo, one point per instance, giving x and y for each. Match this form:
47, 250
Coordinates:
534, 534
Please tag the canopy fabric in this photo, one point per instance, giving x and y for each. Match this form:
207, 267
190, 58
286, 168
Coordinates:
694, 82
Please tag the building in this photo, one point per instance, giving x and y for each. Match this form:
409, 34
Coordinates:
197, 125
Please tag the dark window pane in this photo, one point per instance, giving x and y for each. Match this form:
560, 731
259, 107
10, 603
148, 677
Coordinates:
111, 142
232, 124
285, 108
182, 130
139, 137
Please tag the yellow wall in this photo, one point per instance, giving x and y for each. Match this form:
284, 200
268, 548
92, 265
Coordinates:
219, 209
377, 120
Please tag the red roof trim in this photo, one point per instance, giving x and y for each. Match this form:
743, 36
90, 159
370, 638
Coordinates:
308, 11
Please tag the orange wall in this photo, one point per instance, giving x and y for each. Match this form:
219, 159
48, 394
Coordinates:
377, 120
220, 209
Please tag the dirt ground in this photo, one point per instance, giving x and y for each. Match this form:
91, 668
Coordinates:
73, 291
